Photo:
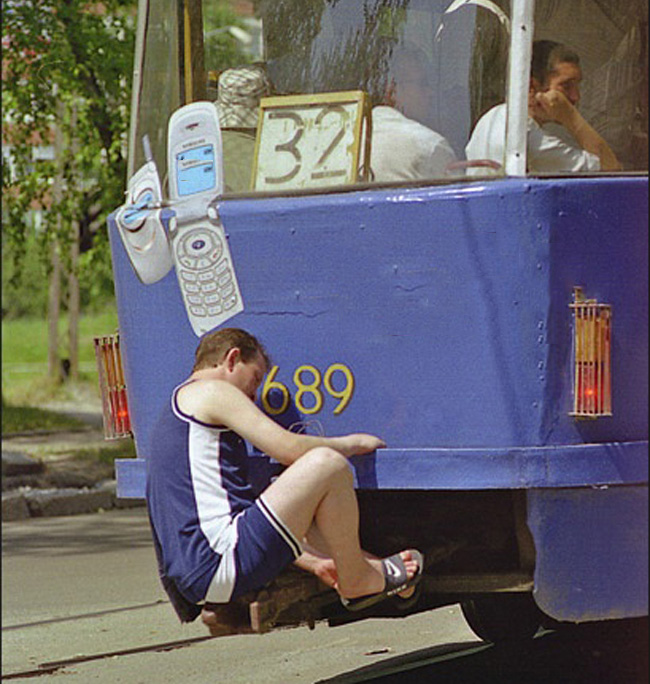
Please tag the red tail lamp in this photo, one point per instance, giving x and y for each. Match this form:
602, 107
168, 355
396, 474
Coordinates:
117, 423
592, 378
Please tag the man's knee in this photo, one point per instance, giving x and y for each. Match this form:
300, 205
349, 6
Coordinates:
329, 462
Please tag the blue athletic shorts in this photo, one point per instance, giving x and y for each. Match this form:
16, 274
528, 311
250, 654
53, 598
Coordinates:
265, 546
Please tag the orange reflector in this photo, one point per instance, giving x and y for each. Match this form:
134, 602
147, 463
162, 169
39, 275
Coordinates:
592, 334
117, 423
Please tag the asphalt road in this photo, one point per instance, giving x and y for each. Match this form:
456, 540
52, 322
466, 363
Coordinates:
81, 602
84, 589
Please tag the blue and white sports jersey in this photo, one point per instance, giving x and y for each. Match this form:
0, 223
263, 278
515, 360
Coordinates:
196, 486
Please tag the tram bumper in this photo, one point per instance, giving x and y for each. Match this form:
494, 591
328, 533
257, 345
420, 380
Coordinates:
586, 510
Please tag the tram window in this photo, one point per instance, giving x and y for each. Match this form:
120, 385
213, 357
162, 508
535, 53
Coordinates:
156, 83
431, 69
611, 38
589, 78
425, 65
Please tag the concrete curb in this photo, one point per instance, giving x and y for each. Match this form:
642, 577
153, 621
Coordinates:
25, 502
17, 463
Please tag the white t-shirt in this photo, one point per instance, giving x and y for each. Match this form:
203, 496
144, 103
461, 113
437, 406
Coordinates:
551, 148
403, 149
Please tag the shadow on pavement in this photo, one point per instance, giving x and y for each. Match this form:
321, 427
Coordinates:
79, 534
592, 653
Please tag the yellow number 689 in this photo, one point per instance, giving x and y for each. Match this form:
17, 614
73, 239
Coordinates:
311, 387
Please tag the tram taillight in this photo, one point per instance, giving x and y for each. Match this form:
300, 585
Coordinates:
117, 422
592, 380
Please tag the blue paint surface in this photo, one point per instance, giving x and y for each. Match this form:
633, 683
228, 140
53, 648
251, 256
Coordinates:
461, 469
522, 468
450, 305
592, 552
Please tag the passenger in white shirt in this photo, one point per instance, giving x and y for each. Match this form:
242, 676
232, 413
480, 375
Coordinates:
559, 138
403, 148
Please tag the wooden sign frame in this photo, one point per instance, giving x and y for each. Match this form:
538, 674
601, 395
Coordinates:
311, 141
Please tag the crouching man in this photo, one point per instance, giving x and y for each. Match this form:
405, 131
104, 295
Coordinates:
214, 540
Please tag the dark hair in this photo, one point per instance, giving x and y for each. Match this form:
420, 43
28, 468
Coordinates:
214, 346
546, 55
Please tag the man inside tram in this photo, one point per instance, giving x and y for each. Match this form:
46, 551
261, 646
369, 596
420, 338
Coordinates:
215, 541
403, 148
240, 91
559, 138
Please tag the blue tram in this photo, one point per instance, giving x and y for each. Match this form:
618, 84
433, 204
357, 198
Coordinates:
487, 321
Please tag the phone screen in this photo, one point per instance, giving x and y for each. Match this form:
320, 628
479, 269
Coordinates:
195, 170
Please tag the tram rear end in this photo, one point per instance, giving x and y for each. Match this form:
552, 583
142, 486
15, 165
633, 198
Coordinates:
492, 329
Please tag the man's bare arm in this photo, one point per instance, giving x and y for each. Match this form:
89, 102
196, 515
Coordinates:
217, 402
553, 105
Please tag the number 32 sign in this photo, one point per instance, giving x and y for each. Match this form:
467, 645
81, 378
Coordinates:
309, 141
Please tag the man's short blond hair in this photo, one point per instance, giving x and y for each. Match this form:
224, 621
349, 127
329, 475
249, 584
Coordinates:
214, 347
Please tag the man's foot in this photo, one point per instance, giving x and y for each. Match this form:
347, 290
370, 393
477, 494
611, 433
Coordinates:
209, 619
413, 568
399, 575
225, 618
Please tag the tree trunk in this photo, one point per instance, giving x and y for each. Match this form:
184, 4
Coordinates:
53, 362
73, 278
54, 299
73, 305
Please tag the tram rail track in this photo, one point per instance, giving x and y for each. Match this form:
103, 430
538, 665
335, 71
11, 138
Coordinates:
50, 667
56, 665
83, 616
406, 663
577, 654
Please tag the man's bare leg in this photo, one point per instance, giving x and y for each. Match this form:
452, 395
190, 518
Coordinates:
315, 498
318, 489
317, 545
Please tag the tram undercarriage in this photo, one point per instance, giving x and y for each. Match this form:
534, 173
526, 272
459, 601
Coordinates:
476, 545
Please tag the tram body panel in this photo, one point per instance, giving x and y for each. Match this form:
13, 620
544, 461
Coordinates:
591, 542
599, 239
378, 282
449, 305
156, 339
380, 286
591, 552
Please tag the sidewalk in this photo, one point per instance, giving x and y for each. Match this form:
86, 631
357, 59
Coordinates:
41, 476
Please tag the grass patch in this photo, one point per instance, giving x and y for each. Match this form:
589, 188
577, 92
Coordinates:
84, 394
24, 340
27, 418
24, 357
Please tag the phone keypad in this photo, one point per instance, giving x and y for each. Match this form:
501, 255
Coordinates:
205, 273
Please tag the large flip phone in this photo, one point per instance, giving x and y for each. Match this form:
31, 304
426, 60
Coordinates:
200, 251
140, 225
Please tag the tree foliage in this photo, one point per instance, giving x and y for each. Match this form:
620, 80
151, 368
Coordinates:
222, 50
358, 59
66, 66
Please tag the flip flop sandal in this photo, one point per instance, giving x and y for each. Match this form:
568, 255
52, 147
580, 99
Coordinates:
395, 578
407, 603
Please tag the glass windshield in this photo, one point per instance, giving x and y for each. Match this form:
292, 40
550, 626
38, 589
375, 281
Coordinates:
434, 74
428, 67
157, 81
610, 38
425, 58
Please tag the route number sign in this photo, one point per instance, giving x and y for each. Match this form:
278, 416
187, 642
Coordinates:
310, 141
